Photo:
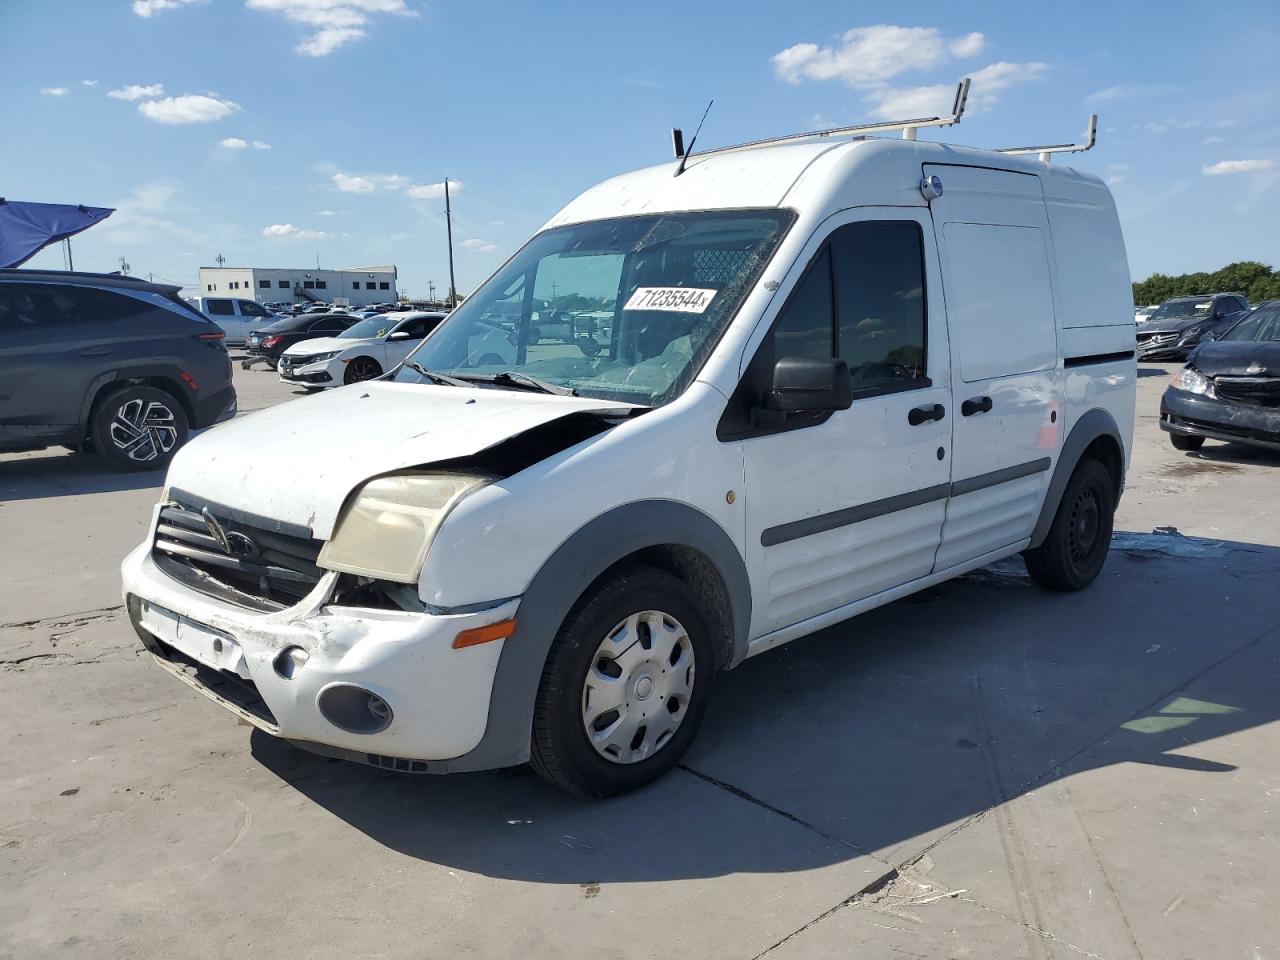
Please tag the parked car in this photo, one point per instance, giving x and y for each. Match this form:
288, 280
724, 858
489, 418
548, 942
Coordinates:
363, 351
266, 345
107, 363
534, 554
237, 318
1179, 324
1143, 314
1230, 388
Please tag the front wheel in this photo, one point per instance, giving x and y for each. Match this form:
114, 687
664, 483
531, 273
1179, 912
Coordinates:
1079, 538
1186, 441
362, 368
138, 428
624, 687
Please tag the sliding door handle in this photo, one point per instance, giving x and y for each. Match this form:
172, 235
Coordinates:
975, 405
919, 415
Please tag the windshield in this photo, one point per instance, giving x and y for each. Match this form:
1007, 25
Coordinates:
1263, 324
368, 329
1182, 309
623, 309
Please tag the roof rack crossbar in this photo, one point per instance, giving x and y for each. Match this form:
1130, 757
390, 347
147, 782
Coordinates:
1090, 138
908, 127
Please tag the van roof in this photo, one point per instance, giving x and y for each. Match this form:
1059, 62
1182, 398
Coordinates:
821, 172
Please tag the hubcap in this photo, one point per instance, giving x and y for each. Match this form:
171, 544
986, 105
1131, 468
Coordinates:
638, 686
143, 430
1086, 520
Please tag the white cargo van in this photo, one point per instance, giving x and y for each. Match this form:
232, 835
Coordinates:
835, 371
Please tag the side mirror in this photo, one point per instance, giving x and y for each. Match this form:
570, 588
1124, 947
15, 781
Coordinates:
398, 335
810, 385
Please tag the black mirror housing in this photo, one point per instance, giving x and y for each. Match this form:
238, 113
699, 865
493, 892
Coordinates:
810, 385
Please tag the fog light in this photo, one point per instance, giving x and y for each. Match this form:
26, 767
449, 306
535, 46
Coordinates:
354, 709
290, 660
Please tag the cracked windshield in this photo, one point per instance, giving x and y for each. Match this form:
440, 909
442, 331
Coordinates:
622, 309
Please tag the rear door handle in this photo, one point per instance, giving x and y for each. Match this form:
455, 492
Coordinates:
919, 415
96, 351
975, 405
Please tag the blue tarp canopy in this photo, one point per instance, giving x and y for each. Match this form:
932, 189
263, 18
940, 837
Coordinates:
27, 228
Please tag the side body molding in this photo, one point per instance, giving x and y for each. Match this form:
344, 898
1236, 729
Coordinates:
1095, 423
559, 583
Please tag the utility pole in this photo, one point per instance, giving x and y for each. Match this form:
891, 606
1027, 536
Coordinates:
71, 264
220, 260
431, 290
448, 221
124, 267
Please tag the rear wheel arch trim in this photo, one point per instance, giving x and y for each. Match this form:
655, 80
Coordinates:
1096, 423
561, 581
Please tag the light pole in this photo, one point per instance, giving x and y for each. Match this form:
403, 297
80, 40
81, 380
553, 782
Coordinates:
448, 221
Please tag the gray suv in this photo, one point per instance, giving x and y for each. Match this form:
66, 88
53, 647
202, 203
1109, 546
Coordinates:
107, 363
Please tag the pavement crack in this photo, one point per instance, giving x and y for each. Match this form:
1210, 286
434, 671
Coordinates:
66, 619
1032, 928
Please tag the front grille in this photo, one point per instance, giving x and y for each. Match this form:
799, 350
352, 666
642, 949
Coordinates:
254, 567
1257, 391
227, 687
1153, 341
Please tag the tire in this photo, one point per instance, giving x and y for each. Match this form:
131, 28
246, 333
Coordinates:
1183, 441
362, 368
619, 616
1079, 538
138, 428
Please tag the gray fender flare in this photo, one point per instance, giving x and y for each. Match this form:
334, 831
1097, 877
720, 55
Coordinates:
556, 587
1096, 423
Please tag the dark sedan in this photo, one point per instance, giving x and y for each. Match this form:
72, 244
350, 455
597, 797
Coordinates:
1178, 326
1230, 387
268, 343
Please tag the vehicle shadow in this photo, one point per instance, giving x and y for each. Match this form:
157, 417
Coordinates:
60, 473
880, 733
1236, 453
1154, 372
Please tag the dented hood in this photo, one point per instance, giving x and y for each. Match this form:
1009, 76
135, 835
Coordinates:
1237, 358
297, 462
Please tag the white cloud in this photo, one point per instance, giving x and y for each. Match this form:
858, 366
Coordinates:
870, 56
936, 100
479, 246
145, 8
1126, 91
189, 108
90, 83
334, 23
1116, 178
137, 91
1224, 167
288, 231
430, 191
326, 213
368, 182
238, 143
54, 91
1211, 139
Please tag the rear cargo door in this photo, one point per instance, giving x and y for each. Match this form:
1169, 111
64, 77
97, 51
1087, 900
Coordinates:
997, 277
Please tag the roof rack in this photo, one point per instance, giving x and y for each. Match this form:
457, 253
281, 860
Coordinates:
1090, 137
908, 128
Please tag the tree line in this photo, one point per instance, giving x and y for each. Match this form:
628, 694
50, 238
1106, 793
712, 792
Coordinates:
1257, 281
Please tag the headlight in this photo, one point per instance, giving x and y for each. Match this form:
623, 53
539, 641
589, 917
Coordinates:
1190, 335
321, 357
1193, 381
386, 528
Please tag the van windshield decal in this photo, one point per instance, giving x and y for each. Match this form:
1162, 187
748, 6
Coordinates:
675, 299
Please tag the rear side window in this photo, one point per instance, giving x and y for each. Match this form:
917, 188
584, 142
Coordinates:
27, 306
327, 326
249, 308
219, 308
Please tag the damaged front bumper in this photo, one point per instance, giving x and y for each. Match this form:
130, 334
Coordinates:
1197, 415
436, 698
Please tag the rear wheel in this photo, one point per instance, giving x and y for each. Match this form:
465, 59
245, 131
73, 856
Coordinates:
1185, 441
1079, 538
138, 428
624, 687
362, 368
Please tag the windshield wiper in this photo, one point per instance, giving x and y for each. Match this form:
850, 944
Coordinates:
513, 378
432, 375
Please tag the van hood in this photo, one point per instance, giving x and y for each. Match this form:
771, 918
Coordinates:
298, 461
1237, 358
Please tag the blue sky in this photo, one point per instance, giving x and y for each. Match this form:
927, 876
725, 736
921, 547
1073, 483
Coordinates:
276, 131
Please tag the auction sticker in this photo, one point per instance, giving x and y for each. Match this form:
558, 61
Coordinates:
675, 299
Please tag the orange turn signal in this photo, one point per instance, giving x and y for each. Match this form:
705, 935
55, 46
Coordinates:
494, 631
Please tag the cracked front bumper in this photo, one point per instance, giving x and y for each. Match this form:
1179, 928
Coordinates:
439, 695
1196, 415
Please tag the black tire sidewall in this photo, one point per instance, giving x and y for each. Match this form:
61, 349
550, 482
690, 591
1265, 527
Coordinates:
1186, 442
1093, 474
104, 411
351, 368
568, 758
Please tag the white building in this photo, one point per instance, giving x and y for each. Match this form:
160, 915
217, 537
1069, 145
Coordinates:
354, 286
